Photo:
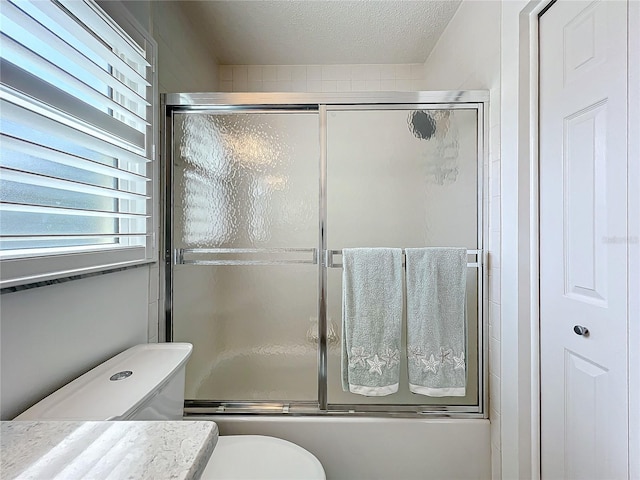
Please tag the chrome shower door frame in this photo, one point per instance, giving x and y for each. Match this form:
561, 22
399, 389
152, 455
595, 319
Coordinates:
323, 103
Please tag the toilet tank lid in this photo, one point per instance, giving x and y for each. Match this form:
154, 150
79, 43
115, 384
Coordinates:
95, 396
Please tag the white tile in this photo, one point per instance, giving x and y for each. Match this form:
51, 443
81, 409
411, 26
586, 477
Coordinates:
240, 73
299, 73
314, 85
494, 139
417, 71
359, 72
494, 258
494, 184
387, 85
226, 86
494, 249
494, 392
283, 73
299, 86
358, 85
372, 72
314, 72
372, 85
494, 213
255, 86
254, 73
404, 85
403, 71
495, 320
240, 85
494, 418
329, 72
225, 72
496, 463
269, 73
417, 85
494, 286
343, 72
329, 85
387, 72
270, 86
494, 357
343, 85
284, 86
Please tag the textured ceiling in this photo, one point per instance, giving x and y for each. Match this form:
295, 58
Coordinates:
321, 32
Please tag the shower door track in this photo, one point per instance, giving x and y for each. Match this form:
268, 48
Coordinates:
322, 103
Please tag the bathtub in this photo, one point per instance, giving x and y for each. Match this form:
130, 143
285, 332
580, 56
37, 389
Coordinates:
371, 448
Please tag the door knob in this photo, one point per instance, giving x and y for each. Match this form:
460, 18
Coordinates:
580, 330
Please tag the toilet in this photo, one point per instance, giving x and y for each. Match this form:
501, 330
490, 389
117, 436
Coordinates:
146, 382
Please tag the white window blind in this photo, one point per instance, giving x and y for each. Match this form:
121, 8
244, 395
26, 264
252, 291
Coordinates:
76, 142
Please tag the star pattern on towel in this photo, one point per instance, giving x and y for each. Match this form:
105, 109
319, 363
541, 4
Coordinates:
376, 365
392, 357
459, 362
430, 365
417, 355
358, 357
445, 355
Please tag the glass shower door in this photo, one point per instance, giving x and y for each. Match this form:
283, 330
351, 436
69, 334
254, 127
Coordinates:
401, 177
245, 232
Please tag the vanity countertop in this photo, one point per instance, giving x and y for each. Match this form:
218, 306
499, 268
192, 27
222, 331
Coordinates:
101, 450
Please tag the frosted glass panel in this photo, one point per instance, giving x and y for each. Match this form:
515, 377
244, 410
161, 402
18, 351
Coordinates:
247, 180
402, 178
252, 329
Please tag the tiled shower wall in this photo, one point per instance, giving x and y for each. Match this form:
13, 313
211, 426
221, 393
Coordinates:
321, 78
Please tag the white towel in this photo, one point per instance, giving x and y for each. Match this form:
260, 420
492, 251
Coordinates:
371, 320
436, 327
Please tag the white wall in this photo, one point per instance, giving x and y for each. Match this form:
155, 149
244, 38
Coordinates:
52, 334
185, 63
467, 56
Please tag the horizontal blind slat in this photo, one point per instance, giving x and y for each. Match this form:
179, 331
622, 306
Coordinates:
10, 143
27, 178
31, 208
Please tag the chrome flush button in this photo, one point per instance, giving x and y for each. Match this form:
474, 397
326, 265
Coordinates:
121, 375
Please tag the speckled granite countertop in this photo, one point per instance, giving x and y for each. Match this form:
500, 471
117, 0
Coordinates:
106, 450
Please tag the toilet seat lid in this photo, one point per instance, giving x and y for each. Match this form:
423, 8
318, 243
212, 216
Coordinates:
254, 457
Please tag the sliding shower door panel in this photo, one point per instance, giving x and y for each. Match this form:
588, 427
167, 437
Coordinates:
402, 177
245, 230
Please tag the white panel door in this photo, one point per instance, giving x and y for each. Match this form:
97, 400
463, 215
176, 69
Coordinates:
583, 224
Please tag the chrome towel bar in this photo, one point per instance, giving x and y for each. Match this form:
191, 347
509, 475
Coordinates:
194, 256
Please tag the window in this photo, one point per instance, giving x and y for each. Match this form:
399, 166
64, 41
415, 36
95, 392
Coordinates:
77, 142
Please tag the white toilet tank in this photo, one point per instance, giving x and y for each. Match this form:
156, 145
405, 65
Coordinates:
145, 382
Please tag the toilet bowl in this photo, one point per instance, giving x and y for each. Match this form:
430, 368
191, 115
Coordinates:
146, 382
